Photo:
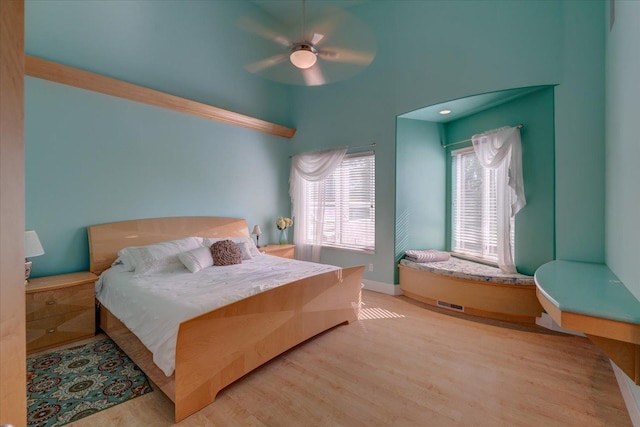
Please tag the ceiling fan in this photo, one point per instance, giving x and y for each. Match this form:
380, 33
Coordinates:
333, 48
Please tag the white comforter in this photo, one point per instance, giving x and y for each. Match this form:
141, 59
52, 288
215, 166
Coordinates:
153, 306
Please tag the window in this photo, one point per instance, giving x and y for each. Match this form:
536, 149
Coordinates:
349, 204
474, 227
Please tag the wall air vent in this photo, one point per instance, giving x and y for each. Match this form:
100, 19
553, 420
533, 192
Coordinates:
450, 306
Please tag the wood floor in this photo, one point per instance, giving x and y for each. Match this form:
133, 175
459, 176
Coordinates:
404, 364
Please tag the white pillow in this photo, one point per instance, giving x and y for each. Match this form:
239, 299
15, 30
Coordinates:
196, 259
245, 249
123, 263
246, 245
157, 257
125, 260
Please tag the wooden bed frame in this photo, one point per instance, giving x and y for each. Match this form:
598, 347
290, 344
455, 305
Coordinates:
215, 349
513, 303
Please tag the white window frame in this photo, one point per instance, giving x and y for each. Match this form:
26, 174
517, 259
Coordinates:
478, 243
344, 200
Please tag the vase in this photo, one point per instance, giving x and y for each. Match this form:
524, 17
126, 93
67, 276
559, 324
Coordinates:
284, 239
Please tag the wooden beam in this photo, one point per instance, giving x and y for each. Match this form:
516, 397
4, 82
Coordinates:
59, 73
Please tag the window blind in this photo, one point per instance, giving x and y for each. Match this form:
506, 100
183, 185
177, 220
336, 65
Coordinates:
348, 199
474, 228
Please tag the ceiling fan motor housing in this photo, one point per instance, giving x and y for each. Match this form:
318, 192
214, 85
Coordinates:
303, 55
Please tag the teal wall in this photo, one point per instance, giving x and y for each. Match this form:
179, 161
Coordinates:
420, 187
535, 230
579, 123
427, 53
92, 158
431, 52
623, 150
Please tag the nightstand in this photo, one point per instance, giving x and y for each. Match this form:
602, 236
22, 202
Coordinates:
283, 251
60, 309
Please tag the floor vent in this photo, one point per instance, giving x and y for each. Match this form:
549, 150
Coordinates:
450, 306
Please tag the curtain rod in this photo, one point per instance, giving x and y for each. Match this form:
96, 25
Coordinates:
355, 147
520, 126
373, 144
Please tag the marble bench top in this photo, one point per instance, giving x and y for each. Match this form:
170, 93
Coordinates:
461, 268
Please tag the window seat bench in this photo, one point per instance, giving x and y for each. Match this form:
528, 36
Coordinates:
589, 298
471, 287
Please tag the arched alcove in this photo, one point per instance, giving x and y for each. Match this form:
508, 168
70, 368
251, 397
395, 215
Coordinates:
424, 140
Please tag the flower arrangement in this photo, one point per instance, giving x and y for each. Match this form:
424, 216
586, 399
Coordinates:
283, 222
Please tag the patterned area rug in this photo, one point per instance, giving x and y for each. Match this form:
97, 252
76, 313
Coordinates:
67, 385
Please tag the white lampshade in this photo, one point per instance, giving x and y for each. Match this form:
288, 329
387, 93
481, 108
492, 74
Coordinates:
303, 56
256, 230
32, 245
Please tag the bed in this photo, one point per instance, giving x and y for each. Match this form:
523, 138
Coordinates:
216, 348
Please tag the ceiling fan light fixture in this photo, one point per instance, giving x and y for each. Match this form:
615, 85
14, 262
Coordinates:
303, 55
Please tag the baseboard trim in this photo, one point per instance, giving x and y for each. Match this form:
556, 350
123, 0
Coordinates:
633, 406
384, 288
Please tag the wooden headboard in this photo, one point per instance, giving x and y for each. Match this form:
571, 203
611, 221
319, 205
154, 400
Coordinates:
105, 240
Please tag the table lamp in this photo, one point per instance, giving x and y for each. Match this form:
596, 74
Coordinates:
32, 247
257, 232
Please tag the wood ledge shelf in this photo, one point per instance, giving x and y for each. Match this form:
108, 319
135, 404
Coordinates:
64, 74
589, 298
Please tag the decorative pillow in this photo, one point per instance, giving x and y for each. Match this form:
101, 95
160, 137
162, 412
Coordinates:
157, 257
253, 251
245, 250
196, 259
226, 252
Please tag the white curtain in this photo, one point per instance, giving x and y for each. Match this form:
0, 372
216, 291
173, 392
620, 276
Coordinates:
310, 167
501, 149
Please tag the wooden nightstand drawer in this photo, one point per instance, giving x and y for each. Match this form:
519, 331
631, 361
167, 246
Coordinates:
58, 301
283, 251
61, 328
60, 309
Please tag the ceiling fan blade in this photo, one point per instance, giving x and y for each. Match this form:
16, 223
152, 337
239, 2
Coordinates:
316, 38
344, 44
263, 64
313, 76
254, 27
346, 55
320, 31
